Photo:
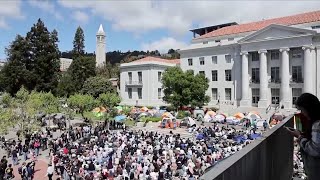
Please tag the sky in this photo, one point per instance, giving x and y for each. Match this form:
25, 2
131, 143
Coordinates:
135, 25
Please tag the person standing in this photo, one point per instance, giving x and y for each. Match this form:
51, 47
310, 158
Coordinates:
14, 155
50, 171
25, 151
9, 172
309, 105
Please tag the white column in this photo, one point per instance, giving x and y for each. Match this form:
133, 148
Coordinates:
285, 78
318, 71
308, 72
245, 100
263, 102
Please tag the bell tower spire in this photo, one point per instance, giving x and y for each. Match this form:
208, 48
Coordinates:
100, 47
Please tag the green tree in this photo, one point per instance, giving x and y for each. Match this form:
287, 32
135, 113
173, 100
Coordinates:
81, 69
78, 43
81, 103
44, 56
65, 86
97, 85
184, 88
109, 70
22, 110
16, 72
109, 100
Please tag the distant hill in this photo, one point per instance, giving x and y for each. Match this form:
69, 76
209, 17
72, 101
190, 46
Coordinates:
116, 57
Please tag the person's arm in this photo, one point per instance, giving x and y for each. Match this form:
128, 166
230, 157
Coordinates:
312, 146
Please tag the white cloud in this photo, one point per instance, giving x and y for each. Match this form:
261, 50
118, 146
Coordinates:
47, 6
80, 16
9, 10
180, 16
3, 24
163, 45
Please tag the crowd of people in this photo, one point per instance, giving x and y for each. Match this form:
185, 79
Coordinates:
95, 153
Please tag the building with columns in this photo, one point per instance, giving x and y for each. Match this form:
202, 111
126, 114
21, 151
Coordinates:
269, 62
100, 47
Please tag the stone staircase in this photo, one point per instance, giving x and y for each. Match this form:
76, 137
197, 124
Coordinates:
231, 110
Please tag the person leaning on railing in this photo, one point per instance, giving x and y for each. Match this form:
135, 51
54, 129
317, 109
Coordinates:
309, 106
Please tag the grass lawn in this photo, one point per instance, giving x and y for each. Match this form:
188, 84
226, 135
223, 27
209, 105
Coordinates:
129, 123
88, 115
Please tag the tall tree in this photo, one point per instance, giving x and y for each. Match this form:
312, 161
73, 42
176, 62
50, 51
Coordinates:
78, 43
44, 57
82, 103
184, 88
97, 85
15, 73
81, 69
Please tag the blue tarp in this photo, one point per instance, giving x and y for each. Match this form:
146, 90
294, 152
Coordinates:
240, 138
120, 118
200, 136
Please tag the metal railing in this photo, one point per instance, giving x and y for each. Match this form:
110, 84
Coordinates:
267, 158
276, 81
134, 83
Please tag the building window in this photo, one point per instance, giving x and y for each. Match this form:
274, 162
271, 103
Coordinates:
190, 62
159, 93
140, 93
228, 94
228, 58
255, 95
201, 59
159, 76
228, 75
296, 92
255, 75
296, 53
205, 42
214, 75
130, 93
217, 41
130, 77
297, 74
230, 39
202, 73
275, 55
140, 77
275, 74
214, 60
255, 56
315, 27
275, 96
214, 92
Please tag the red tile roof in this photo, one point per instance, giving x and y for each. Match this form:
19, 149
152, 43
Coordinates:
150, 58
254, 26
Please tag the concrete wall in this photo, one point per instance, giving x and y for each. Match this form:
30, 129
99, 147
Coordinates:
150, 84
268, 158
221, 66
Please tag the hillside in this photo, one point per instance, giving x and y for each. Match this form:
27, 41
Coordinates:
116, 57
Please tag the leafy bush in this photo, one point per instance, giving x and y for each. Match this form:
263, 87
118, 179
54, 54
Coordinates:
149, 107
183, 114
170, 108
151, 119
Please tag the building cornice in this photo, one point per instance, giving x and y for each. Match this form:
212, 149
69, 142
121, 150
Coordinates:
149, 64
283, 49
196, 49
305, 47
275, 39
